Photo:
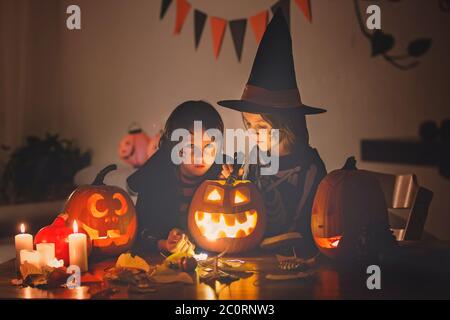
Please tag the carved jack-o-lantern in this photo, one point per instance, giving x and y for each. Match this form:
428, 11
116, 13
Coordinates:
106, 213
349, 215
227, 215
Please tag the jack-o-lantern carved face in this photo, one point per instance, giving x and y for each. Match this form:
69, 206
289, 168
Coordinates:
106, 213
227, 216
348, 202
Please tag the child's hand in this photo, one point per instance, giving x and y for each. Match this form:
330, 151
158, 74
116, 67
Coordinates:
227, 169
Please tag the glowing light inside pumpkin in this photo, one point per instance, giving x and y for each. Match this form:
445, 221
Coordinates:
22, 228
220, 225
239, 197
92, 202
335, 243
214, 196
328, 243
75, 226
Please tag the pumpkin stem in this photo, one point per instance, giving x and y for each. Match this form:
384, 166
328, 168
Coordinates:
350, 164
99, 179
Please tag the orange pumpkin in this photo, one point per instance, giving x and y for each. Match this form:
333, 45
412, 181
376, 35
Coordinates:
349, 214
227, 215
106, 213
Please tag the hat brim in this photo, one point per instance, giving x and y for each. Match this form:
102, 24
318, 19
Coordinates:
251, 107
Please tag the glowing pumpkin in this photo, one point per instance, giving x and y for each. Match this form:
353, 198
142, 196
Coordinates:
106, 213
349, 215
227, 215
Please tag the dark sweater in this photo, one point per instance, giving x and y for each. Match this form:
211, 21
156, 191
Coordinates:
289, 194
163, 199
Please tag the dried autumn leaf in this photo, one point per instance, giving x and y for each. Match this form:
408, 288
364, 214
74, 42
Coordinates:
27, 269
126, 260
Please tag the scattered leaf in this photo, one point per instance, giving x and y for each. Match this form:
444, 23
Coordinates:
16, 282
126, 260
27, 269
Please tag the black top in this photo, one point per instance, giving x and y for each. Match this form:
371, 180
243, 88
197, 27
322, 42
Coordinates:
163, 198
289, 194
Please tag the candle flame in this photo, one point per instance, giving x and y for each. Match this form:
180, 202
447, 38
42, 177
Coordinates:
22, 228
75, 227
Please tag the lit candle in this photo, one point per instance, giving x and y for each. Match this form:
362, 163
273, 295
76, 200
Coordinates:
31, 256
78, 248
23, 241
47, 252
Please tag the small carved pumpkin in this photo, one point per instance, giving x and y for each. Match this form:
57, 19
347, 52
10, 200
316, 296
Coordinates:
106, 213
349, 215
227, 215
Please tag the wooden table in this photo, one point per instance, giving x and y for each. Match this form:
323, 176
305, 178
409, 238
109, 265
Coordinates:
417, 271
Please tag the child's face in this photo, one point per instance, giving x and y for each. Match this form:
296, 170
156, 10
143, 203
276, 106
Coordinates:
208, 155
256, 122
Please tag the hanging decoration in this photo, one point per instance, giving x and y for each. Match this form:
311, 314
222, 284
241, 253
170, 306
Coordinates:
218, 26
183, 8
238, 27
199, 26
259, 23
305, 7
382, 43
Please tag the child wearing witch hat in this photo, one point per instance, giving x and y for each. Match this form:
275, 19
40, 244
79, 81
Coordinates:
271, 100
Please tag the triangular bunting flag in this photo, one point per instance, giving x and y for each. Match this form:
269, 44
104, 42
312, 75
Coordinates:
259, 23
164, 6
285, 6
183, 8
199, 25
305, 7
218, 26
238, 28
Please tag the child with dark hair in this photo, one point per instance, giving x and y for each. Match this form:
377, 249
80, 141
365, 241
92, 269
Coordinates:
165, 189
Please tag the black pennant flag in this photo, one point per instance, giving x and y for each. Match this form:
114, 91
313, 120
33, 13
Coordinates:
164, 6
238, 28
199, 25
285, 7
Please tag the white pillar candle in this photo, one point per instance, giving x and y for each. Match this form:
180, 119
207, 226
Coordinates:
78, 249
31, 256
47, 253
23, 241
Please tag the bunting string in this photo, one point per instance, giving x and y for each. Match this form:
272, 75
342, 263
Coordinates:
238, 27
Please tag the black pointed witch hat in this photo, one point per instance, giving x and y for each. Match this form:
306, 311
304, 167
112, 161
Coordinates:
272, 86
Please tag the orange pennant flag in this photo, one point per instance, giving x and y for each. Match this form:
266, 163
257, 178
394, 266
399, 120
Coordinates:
218, 26
183, 8
259, 23
305, 7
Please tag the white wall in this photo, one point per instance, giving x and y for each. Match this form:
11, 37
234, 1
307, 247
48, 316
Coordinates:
125, 65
